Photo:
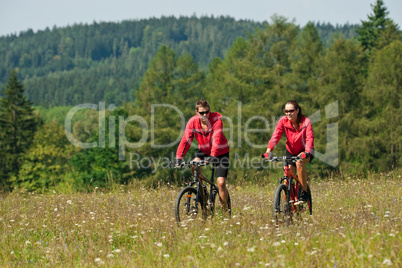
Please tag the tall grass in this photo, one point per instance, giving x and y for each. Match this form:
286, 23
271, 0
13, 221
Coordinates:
356, 222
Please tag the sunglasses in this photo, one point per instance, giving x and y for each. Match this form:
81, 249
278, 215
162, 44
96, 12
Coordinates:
204, 113
289, 111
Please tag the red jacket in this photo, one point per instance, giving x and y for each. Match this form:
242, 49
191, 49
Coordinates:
211, 142
296, 141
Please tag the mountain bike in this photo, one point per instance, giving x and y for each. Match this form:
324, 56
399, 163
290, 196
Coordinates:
195, 198
287, 194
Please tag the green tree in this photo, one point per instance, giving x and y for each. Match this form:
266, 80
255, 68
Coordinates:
46, 164
380, 138
17, 125
341, 80
372, 31
156, 86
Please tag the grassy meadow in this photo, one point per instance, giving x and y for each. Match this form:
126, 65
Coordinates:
356, 222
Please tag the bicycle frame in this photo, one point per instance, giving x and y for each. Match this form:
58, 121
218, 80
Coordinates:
293, 188
198, 178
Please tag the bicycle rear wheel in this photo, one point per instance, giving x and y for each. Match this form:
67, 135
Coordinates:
310, 202
186, 207
281, 213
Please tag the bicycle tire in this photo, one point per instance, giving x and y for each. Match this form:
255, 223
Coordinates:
185, 207
310, 202
229, 213
281, 212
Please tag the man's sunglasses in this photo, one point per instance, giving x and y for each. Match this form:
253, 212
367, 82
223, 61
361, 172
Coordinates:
289, 111
204, 113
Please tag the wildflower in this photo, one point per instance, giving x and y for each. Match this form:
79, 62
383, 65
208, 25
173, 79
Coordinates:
387, 262
276, 244
166, 255
313, 252
252, 249
226, 244
69, 202
98, 260
55, 209
283, 241
110, 255
296, 244
219, 249
159, 244
119, 250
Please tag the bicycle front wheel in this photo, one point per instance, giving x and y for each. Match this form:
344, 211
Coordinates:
187, 208
281, 213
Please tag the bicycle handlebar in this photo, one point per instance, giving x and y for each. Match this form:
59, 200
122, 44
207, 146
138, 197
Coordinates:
189, 163
281, 158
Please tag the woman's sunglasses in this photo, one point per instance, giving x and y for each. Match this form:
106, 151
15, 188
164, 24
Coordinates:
204, 113
289, 111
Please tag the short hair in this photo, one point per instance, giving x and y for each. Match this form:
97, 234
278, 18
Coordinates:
201, 103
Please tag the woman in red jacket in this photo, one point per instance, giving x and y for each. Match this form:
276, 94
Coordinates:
206, 127
299, 139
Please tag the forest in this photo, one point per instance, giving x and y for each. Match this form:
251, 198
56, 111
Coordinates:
106, 61
126, 88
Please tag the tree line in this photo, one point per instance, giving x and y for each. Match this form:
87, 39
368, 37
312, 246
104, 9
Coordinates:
350, 88
106, 61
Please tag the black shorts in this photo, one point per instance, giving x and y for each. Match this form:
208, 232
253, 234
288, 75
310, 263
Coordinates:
221, 168
290, 163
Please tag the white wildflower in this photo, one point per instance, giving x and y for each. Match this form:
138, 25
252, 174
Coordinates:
387, 262
252, 249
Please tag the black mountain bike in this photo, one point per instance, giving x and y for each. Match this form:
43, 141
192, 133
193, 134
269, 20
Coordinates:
195, 198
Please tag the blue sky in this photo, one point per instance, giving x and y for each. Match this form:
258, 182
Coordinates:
19, 15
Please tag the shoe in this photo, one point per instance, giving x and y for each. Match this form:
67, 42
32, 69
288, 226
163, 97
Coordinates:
304, 196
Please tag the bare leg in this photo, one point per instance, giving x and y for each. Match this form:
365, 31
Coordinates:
302, 172
223, 192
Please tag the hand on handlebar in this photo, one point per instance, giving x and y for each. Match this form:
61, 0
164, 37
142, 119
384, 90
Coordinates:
267, 155
178, 162
304, 155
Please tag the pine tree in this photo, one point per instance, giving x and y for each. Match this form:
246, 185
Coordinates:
17, 127
378, 24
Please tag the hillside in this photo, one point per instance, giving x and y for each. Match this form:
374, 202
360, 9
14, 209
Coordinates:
106, 61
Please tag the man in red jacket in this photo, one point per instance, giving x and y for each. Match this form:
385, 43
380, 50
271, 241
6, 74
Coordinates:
206, 127
299, 139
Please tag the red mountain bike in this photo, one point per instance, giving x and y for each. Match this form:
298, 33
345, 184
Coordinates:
286, 199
